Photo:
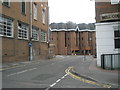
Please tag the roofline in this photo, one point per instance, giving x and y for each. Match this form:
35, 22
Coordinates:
84, 30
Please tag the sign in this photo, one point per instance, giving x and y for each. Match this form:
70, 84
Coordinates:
30, 44
109, 16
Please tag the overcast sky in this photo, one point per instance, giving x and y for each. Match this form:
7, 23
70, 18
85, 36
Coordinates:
77, 11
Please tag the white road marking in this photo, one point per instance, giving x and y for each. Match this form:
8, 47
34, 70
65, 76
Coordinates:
21, 72
66, 75
53, 84
62, 77
32, 69
56, 82
11, 74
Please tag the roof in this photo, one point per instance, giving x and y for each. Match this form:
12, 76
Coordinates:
70, 26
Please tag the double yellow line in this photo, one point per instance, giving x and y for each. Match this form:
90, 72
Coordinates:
67, 71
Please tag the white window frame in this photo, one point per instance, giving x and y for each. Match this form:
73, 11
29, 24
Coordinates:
22, 30
35, 34
6, 27
43, 36
22, 7
6, 4
116, 28
115, 1
43, 16
35, 11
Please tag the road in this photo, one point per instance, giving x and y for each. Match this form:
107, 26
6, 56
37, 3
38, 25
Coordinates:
45, 74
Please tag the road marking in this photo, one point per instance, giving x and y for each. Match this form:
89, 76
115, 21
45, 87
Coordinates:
85, 80
16, 66
32, 69
21, 72
52, 85
58, 80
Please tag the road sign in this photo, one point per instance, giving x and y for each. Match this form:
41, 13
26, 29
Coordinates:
30, 44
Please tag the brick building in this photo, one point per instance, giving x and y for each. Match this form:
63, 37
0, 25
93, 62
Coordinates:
72, 39
23, 29
108, 33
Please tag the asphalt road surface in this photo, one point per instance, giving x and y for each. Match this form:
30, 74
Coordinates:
45, 74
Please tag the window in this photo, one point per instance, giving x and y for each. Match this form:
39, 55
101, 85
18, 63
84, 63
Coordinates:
117, 37
35, 11
115, 1
6, 27
34, 34
43, 36
43, 16
23, 7
6, 2
22, 31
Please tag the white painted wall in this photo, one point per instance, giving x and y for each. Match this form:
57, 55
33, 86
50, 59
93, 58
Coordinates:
105, 39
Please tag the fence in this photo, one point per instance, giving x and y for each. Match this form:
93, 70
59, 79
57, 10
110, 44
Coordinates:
110, 61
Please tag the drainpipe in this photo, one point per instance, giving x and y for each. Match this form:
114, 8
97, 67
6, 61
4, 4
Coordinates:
30, 36
48, 32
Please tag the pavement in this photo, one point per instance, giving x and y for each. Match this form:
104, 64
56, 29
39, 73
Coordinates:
90, 70
87, 69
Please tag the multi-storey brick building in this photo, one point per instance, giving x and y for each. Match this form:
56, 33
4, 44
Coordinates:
23, 29
70, 38
108, 33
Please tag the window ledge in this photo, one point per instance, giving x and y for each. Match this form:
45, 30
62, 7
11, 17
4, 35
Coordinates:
118, 49
22, 39
6, 36
35, 40
23, 13
43, 41
8, 6
35, 19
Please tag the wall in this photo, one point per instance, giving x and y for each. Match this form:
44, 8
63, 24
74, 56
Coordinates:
68, 43
15, 49
105, 7
105, 39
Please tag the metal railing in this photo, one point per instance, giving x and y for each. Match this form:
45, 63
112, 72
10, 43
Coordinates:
110, 61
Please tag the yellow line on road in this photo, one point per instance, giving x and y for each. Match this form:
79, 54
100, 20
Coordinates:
85, 80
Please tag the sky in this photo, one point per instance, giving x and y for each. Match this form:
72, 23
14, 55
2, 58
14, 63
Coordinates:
77, 11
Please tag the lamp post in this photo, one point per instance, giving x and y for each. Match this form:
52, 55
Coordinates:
84, 46
48, 31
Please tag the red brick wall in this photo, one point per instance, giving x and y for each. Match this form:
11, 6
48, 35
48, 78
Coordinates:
15, 49
105, 7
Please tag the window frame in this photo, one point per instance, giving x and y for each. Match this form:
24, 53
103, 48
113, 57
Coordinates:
6, 24
22, 30
115, 2
35, 11
43, 16
43, 36
116, 36
24, 13
8, 5
35, 31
